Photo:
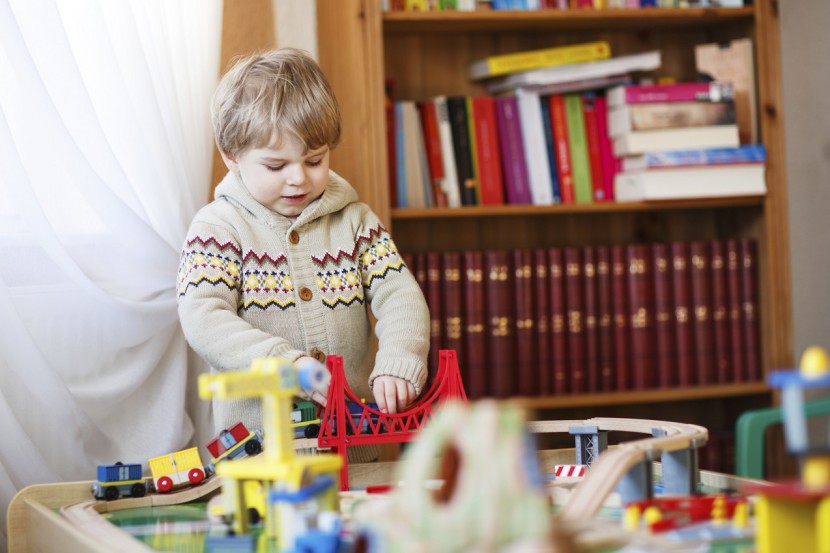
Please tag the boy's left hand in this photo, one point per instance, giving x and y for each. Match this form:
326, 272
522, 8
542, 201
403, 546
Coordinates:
393, 394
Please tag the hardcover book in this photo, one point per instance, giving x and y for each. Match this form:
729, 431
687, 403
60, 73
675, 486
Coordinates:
676, 92
452, 190
668, 115
605, 319
704, 181
735, 311
452, 336
709, 136
541, 304
622, 337
641, 314
434, 298
491, 188
494, 66
514, 167
701, 296
749, 289
580, 164
526, 361
457, 111
683, 313
665, 341
720, 309
501, 322
432, 143
558, 326
610, 165
475, 368
575, 320
590, 316
563, 148
471, 132
535, 148
550, 146
592, 140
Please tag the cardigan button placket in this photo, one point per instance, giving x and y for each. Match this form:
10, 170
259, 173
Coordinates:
305, 294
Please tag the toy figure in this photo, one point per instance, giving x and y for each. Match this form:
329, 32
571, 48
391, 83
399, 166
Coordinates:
286, 261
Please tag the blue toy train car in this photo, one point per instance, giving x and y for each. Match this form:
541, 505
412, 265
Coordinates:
119, 480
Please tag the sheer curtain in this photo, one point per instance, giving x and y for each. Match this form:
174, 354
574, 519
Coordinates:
105, 155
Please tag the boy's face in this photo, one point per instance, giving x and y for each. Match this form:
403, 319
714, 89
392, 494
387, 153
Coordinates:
281, 177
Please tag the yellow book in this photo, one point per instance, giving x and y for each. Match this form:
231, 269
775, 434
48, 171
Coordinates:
495, 66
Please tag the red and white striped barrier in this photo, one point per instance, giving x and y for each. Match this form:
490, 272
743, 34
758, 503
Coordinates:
569, 471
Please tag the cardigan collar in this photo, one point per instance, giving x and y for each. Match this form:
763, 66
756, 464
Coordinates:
337, 195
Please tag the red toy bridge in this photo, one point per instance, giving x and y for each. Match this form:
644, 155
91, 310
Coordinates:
346, 421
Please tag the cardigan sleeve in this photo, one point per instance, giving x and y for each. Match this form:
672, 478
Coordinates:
208, 288
399, 307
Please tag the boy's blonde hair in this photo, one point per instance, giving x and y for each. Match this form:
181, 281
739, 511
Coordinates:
267, 94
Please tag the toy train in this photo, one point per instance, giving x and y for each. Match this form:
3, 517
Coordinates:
233, 443
305, 420
119, 480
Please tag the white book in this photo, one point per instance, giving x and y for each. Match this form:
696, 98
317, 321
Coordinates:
684, 138
677, 183
450, 184
416, 181
535, 148
645, 61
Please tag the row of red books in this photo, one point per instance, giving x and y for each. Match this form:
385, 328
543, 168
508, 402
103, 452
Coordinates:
607, 318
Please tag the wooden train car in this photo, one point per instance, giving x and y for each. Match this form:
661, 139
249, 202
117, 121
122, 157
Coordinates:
305, 421
119, 480
178, 469
234, 442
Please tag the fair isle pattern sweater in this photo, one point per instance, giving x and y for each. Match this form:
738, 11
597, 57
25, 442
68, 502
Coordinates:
253, 283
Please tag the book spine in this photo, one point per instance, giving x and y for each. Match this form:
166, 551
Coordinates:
474, 371
532, 59
681, 278
665, 341
605, 319
550, 147
457, 111
471, 133
700, 278
400, 156
487, 147
558, 326
590, 315
514, 169
436, 307
541, 304
563, 148
622, 336
535, 151
583, 189
606, 151
751, 153
641, 315
575, 318
720, 309
452, 293
678, 92
501, 321
668, 115
749, 288
592, 140
452, 190
391, 145
432, 143
526, 362
735, 310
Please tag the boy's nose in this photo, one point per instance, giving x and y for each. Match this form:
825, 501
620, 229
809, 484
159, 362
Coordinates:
297, 175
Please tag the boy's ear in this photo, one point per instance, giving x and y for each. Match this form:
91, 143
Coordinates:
230, 162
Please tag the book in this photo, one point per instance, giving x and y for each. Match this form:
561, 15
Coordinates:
750, 153
550, 146
605, 318
475, 369
563, 148
622, 337
526, 360
491, 188
558, 326
457, 112
733, 62
590, 315
580, 164
400, 156
598, 84
641, 316
610, 165
541, 304
434, 297
701, 312
709, 136
514, 167
452, 189
592, 140
620, 65
575, 320
535, 148
417, 183
452, 336
720, 308
432, 143
471, 133
664, 339
749, 297
682, 302
705, 181
502, 64
501, 322
391, 146
676, 92
668, 115
734, 295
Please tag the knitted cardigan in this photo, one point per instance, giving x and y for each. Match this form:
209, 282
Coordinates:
253, 283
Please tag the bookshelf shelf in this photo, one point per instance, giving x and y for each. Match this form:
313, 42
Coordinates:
646, 396
426, 54
503, 21
570, 209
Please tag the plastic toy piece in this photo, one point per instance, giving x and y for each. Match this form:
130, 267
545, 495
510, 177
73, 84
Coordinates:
304, 420
343, 426
119, 480
569, 471
234, 442
671, 513
590, 442
795, 516
178, 469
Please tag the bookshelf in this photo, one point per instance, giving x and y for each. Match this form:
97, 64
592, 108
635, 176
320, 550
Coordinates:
427, 54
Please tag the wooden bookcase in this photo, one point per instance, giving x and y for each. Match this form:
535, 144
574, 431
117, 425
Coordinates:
427, 53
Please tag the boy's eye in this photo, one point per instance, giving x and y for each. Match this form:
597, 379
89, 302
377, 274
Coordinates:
314, 163
274, 167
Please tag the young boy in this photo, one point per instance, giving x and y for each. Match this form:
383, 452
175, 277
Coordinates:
286, 260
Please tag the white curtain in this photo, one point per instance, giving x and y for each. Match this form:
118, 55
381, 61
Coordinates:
105, 155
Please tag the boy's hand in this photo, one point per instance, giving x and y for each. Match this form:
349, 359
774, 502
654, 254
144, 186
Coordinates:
393, 394
316, 396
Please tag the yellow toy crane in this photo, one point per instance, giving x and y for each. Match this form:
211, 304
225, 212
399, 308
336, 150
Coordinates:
275, 381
